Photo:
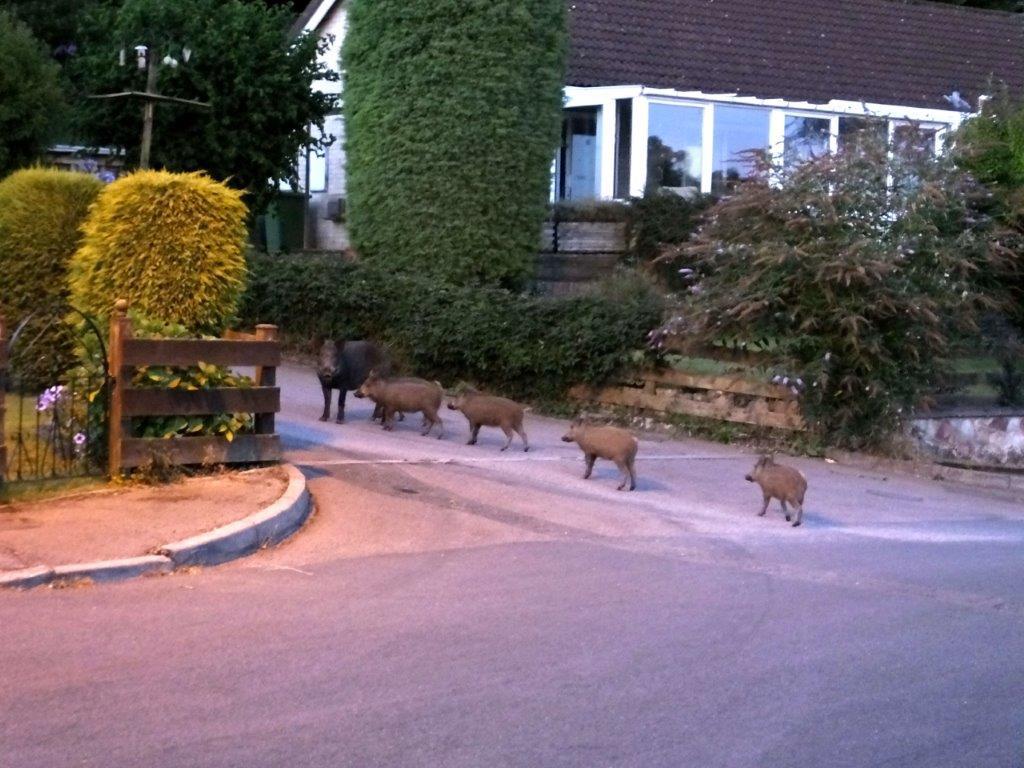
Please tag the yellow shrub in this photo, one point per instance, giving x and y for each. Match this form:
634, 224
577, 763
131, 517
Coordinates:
41, 211
172, 244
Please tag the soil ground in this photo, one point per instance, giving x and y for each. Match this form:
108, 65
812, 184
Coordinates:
131, 520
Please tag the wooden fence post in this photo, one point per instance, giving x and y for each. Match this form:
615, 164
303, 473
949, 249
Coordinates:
119, 427
3, 412
266, 376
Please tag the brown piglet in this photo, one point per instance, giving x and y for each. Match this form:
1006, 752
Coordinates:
780, 482
405, 395
490, 411
610, 443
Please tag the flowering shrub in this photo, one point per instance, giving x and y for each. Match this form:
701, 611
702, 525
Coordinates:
858, 271
61, 433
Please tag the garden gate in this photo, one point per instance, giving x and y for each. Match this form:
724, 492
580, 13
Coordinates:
52, 401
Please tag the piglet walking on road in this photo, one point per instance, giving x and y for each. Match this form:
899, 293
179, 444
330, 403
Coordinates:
610, 443
489, 411
786, 484
405, 395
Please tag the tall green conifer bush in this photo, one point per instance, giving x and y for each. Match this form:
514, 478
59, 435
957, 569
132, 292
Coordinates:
452, 112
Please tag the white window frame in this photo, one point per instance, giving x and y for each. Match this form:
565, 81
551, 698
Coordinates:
604, 97
707, 115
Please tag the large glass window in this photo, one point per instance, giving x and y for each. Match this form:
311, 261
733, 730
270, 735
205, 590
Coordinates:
318, 171
866, 128
623, 146
577, 173
674, 147
912, 138
805, 139
739, 131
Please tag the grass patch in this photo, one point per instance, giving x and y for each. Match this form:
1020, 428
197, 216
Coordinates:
35, 490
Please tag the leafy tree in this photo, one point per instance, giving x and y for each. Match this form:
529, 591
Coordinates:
991, 146
258, 81
30, 95
55, 22
452, 111
860, 271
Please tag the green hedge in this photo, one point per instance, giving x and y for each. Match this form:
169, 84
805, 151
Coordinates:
521, 345
452, 116
41, 213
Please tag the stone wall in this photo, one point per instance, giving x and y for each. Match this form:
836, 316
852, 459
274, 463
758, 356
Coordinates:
974, 438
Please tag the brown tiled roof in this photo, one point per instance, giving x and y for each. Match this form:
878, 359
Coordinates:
880, 51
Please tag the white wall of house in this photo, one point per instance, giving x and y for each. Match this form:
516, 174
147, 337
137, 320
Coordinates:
322, 176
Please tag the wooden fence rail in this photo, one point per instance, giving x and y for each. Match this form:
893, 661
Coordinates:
260, 350
726, 397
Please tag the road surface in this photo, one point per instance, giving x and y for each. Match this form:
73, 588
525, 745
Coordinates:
451, 605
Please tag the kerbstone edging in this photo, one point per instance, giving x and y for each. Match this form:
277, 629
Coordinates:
27, 578
270, 525
114, 570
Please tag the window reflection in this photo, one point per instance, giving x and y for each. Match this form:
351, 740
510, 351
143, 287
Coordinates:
913, 138
862, 128
738, 132
674, 147
806, 138
577, 173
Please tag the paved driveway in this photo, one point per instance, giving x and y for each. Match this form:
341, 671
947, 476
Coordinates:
452, 605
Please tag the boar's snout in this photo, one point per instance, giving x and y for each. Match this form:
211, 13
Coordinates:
567, 437
749, 478
452, 407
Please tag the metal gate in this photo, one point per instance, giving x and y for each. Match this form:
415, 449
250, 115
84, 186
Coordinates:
54, 391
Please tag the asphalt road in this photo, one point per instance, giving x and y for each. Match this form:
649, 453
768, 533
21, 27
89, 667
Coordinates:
456, 606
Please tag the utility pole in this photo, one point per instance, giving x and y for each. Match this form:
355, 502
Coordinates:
148, 109
148, 59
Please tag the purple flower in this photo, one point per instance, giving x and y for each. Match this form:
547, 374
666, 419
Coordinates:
49, 398
79, 439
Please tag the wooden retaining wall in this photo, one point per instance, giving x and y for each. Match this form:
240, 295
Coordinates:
576, 253
726, 397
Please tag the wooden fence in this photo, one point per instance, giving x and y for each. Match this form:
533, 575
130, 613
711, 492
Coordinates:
261, 350
735, 397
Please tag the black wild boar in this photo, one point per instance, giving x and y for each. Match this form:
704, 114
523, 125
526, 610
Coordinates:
344, 365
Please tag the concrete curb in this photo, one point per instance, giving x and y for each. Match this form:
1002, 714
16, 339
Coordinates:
113, 570
270, 525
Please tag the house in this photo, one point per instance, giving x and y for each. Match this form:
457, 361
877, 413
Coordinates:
670, 93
